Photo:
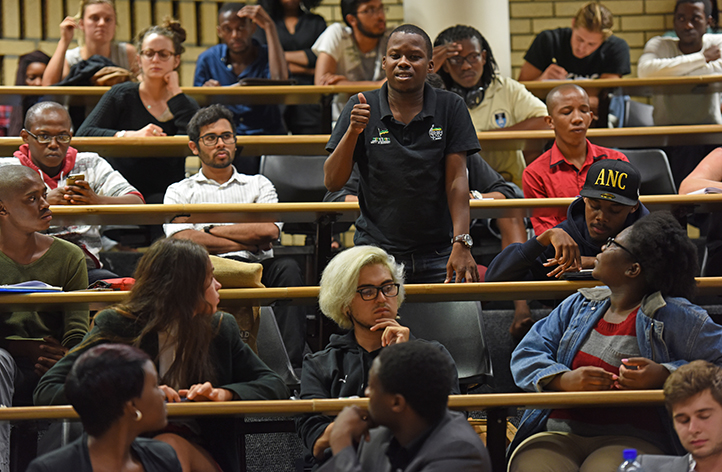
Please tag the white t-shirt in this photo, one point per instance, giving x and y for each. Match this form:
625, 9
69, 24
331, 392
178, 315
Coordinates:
662, 58
338, 42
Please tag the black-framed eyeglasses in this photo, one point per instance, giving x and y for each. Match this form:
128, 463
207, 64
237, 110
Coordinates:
42, 138
164, 54
473, 59
370, 292
374, 11
611, 241
211, 139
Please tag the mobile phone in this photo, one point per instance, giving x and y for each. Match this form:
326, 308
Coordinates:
71, 179
584, 274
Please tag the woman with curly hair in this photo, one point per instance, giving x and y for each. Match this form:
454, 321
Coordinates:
630, 334
154, 107
171, 314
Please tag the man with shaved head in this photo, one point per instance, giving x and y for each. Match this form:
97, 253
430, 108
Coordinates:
561, 171
47, 151
33, 341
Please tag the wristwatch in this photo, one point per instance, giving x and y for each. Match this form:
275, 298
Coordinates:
465, 239
207, 229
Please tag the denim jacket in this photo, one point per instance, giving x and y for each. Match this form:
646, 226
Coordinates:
670, 331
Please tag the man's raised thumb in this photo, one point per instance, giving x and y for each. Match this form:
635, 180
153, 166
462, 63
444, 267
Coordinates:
361, 98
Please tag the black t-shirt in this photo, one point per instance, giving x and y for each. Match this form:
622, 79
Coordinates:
612, 57
402, 191
308, 29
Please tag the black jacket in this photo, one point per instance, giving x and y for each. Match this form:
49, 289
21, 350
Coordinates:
341, 370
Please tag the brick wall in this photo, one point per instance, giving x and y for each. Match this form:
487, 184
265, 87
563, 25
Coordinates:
331, 11
636, 21
27, 25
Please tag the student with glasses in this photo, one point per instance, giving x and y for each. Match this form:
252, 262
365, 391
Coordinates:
352, 53
154, 107
464, 60
629, 334
361, 290
213, 140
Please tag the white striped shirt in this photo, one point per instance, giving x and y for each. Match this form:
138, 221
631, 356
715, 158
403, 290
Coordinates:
240, 188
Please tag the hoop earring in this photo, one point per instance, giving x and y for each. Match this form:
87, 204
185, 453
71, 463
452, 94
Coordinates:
138, 415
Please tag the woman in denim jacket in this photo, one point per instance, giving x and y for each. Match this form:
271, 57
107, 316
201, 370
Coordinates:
628, 335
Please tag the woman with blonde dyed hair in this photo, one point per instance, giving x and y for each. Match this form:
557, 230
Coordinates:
586, 50
341, 277
361, 290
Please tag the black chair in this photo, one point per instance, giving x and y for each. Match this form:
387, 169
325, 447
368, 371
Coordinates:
637, 114
272, 351
654, 168
296, 178
459, 327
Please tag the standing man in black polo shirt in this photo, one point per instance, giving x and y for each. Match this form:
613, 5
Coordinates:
410, 142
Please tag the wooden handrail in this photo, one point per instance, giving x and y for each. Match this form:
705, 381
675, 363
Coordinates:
486, 291
333, 406
177, 146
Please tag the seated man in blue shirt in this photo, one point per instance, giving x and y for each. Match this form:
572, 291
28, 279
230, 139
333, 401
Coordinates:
239, 57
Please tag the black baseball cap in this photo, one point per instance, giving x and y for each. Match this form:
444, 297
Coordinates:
613, 180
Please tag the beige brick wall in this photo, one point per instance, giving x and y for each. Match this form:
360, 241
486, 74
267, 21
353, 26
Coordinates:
27, 25
636, 21
33, 24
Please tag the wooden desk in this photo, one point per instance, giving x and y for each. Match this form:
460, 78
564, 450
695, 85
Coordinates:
487, 291
314, 145
341, 212
637, 86
495, 405
177, 146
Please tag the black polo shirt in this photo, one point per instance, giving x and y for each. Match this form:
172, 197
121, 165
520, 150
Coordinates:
402, 191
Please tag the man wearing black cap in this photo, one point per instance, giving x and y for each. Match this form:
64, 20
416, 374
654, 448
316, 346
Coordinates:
609, 203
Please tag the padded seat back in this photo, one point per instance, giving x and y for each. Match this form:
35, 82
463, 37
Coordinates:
653, 166
457, 325
296, 178
272, 351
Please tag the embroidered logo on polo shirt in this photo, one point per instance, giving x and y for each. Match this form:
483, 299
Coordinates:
436, 133
500, 118
382, 138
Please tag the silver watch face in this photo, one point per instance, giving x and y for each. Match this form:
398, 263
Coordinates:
464, 238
